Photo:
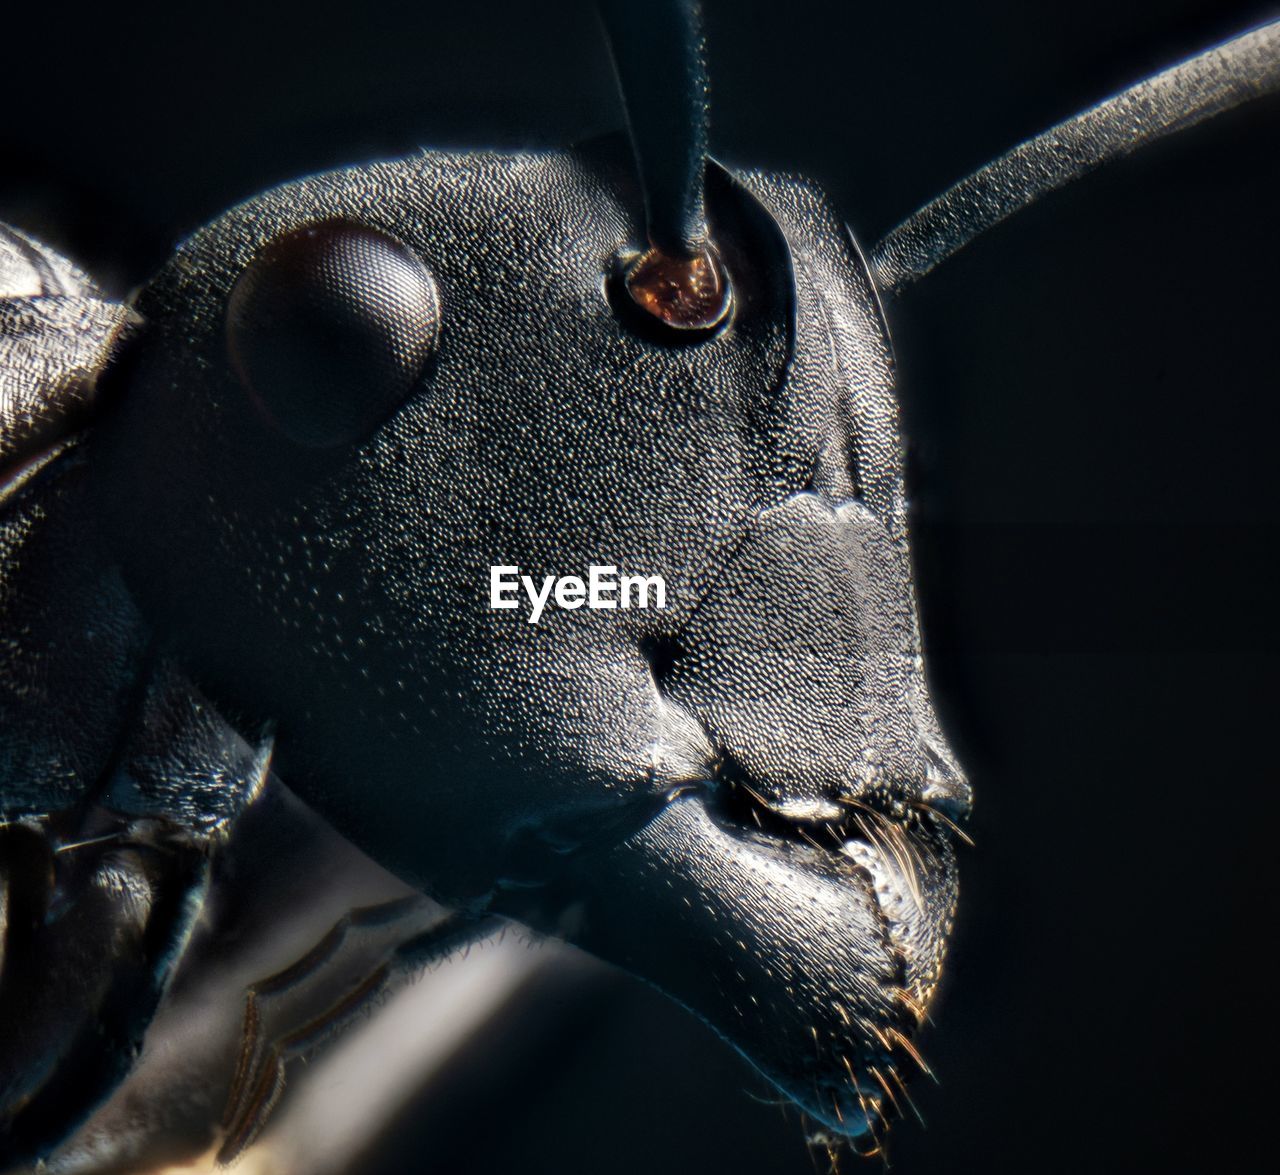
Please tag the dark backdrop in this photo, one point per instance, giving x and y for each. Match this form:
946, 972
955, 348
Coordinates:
1091, 404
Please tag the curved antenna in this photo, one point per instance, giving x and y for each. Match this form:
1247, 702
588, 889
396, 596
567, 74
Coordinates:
659, 57
1214, 81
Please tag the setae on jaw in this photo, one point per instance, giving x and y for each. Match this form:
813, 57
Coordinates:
480, 539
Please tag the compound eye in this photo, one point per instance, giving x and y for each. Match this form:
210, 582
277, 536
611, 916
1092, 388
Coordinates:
330, 327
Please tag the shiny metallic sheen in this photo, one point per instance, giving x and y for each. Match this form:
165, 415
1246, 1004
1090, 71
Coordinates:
745, 798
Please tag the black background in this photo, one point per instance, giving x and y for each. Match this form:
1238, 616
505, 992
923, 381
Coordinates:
1090, 397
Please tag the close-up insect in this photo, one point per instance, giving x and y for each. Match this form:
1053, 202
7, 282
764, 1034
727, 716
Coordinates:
463, 681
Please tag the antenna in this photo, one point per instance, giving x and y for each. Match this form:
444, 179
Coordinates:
660, 61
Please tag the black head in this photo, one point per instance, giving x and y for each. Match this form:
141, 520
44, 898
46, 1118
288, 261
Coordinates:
733, 795
363, 398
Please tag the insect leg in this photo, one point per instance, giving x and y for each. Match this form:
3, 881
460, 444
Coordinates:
260, 1070
91, 925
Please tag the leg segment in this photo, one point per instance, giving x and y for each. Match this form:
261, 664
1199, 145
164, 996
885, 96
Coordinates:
406, 933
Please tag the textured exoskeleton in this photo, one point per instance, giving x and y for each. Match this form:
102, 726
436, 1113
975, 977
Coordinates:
247, 530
